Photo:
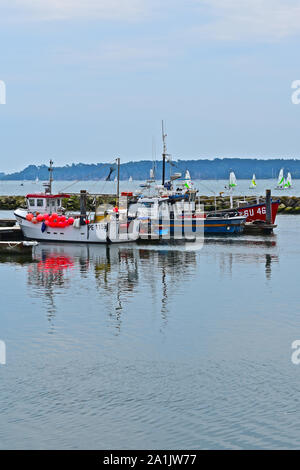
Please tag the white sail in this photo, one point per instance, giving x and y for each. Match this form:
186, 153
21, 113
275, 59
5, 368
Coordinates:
130, 178
188, 180
151, 174
288, 180
232, 180
187, 175
253, 182
280, 182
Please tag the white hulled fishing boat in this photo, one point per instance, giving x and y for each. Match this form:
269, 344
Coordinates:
44, 219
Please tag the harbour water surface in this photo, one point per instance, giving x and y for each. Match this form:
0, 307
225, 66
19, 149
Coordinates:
136, 347
205, 187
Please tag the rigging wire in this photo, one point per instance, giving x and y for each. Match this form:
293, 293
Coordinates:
87, 176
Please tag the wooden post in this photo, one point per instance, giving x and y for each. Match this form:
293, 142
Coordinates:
268, 207
163, 171
118, 181
171, 223
82, 207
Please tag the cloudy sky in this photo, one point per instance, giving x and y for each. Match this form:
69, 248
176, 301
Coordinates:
89, 80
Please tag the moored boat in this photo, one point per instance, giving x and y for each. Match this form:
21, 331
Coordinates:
256, 212
44, 219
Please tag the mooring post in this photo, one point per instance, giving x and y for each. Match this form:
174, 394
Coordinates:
82, 206
268, 207
171, 223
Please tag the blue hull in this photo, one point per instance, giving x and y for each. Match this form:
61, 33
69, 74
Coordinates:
223, 226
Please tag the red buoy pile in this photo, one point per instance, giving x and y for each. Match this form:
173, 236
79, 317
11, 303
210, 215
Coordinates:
54, 220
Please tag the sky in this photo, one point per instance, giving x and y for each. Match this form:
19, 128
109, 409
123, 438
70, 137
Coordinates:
87, 81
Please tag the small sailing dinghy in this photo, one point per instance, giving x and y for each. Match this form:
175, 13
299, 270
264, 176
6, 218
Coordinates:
232, 181
188, 180
280, 182
253, 182
288, 181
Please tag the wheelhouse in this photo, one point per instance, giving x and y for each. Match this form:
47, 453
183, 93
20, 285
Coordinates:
45, 202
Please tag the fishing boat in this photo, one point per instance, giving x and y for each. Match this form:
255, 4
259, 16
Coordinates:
172, 212
253, 182
257, 212
44, 219
178, 218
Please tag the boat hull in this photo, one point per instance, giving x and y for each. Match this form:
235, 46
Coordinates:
222, 226
106, 232
258, 212
191, 227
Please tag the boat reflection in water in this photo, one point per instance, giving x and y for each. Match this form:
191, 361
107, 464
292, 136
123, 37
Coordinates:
114, 272
114, 275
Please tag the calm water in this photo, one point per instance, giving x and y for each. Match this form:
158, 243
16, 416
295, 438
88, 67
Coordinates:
131, 347
205, 187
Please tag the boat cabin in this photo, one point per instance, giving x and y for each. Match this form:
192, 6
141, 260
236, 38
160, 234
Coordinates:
45, 202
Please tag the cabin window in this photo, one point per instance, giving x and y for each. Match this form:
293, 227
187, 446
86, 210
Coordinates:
58, 202
40, 203
31, 202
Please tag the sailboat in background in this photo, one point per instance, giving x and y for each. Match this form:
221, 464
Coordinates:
288, 181
188, 180
280, 182
148, 182
232, 180
253, 182
130, 179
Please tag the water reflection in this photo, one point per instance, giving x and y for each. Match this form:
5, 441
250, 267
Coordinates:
246, 251
117, 272
113, 275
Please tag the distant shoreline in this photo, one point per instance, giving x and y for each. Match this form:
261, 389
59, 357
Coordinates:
218, 168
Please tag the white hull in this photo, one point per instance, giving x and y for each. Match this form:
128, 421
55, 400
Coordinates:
106, 232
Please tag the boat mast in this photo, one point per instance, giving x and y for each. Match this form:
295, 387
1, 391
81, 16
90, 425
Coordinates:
164, 154
118, 179
48, 186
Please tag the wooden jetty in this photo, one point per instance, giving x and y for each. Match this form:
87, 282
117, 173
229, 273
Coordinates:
10, 232
17, 248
